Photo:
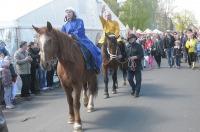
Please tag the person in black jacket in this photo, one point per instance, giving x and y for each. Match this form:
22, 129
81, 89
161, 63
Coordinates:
134, 53
34, 66
168, 47
158, 50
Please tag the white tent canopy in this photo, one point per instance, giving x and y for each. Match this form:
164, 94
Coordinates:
138, 31
13, 32
147, 31
157, 31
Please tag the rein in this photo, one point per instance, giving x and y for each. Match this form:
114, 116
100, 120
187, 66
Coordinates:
111, 55
114, 57
132, 65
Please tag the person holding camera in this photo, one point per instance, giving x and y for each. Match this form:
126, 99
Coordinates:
23, 66
34, 66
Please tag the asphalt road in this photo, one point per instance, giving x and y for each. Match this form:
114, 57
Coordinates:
169, 102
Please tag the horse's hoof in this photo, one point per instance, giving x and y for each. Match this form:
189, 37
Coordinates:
114, 91
91, 109
106, 96
70, 120
77, 128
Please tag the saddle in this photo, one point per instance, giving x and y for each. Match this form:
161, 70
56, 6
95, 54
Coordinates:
86, 53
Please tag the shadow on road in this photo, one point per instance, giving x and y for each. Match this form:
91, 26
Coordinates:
159, 91
126, 119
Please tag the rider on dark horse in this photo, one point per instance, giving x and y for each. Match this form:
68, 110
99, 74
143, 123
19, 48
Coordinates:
109, 25
75, 27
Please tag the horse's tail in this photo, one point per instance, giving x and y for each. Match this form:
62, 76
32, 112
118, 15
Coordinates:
94, 86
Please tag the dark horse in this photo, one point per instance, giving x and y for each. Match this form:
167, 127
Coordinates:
123, 61
71, 68
109, 52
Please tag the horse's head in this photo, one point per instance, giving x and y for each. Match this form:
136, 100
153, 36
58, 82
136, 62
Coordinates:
48, 49
112, 46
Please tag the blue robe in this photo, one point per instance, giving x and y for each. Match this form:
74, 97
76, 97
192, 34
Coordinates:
76, 27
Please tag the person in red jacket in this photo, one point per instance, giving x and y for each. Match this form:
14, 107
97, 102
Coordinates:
148, 42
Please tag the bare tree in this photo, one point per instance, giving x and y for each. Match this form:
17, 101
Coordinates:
164, 14
184, 19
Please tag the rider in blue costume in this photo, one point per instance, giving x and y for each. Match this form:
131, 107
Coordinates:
75, 26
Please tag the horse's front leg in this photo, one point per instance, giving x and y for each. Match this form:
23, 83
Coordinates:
90, 107
85, 96
114, 77
105, 74
68, 91
76, 104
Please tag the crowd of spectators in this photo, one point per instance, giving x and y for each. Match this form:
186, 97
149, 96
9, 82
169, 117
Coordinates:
23, 66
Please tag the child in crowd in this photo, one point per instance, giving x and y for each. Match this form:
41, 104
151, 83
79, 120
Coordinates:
7, 84
13, 75
150, 56
177, 53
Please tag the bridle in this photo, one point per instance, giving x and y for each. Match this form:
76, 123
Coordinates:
53, 59
114, 56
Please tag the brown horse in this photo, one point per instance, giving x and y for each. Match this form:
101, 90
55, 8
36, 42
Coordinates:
109, 52
71, 68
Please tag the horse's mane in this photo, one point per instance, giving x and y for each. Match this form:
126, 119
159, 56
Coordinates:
67, 48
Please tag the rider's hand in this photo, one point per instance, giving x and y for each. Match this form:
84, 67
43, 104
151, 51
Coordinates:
103, 8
